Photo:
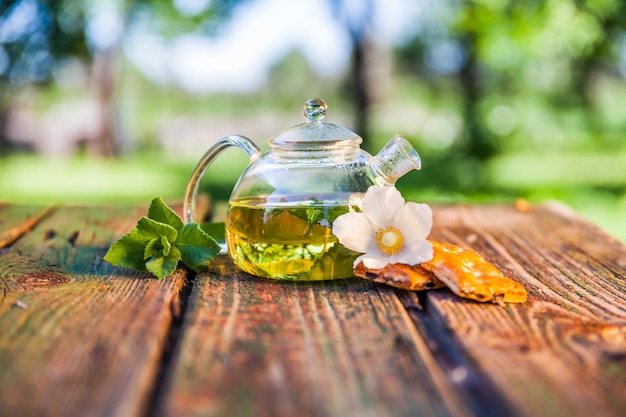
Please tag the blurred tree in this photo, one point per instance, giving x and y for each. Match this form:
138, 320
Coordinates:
553, 48
34, 37
174, 17
171, 18
37, 36
503, 54
356, 17
166, 18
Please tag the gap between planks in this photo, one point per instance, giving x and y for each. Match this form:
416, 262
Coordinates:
175, 336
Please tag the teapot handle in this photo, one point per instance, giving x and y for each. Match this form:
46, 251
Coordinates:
191, 193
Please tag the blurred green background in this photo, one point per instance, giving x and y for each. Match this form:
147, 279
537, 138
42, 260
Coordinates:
114, 101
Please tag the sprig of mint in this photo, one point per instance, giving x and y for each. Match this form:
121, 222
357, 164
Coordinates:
161, 240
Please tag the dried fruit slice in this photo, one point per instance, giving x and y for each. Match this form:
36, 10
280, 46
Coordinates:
469, 275
407, 277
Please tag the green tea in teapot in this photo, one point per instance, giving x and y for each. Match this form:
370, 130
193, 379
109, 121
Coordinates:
280, 240
281, 210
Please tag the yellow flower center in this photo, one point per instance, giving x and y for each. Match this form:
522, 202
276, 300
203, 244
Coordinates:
389, 240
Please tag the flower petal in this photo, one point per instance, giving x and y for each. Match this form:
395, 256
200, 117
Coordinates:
413, 253
373, 260
355, 232
415, 221
382, 204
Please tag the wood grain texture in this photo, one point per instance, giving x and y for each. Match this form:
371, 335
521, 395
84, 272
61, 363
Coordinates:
15, 221
77, 336
562, 353
80, 338
254, 347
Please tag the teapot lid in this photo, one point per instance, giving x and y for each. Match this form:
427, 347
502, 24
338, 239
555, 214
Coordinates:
314, 133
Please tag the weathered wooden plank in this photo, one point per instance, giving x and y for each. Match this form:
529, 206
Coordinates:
78, 337
563, 353
254, 347
18, 220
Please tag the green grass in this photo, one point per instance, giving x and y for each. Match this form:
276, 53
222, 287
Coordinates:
31, 179
37, 180
532, 170
593, 184
576, 181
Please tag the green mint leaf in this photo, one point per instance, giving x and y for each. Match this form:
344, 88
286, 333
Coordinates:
338, 259
152, 247
313, 215
152, 228
128, 251
163, 266
160, 212
166, 245
216, 230
161, 240
197, 248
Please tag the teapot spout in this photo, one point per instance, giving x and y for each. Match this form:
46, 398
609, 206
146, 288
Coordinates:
396, 158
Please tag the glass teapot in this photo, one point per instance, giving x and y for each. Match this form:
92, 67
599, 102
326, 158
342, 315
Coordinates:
280, 213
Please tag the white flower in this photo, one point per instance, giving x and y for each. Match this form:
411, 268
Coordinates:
388, 230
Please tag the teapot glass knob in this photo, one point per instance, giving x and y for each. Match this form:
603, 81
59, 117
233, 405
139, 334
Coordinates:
315, 109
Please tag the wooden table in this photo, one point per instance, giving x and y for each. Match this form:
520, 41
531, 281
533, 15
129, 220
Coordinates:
81, 338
